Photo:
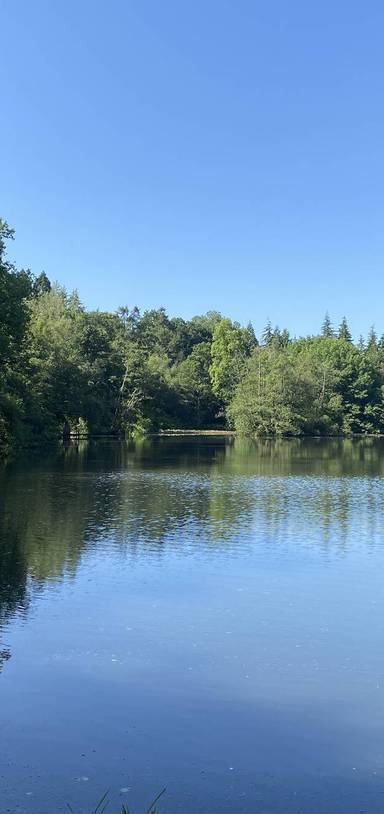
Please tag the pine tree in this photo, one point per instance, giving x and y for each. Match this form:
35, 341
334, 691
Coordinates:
344, 332
267, 334
372, 339
285, 337
41, 285
361, 343
326, 328
252, 336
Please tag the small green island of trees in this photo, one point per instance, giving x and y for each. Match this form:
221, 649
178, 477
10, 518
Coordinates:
62, 366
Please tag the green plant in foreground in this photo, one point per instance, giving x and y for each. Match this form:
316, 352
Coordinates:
104, 802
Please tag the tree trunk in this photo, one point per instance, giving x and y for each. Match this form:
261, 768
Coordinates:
66, 434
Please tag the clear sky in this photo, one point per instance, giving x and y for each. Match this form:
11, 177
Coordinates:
200, 155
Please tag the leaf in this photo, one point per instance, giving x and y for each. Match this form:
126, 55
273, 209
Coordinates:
98, 809
152, 809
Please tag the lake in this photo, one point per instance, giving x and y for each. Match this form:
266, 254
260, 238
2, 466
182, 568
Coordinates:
205, 614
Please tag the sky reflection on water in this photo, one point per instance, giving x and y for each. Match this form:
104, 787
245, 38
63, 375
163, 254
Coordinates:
205, 614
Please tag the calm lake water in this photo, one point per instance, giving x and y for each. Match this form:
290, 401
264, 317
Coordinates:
205, 614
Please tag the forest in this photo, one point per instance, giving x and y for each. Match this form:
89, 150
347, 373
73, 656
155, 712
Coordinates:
131, 372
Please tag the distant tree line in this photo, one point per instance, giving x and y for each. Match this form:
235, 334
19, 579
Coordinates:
98, 372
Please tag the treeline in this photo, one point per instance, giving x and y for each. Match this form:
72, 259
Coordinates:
62, 366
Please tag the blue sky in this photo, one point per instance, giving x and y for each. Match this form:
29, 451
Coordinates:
201, 155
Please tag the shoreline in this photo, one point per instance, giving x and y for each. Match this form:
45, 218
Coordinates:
227, 433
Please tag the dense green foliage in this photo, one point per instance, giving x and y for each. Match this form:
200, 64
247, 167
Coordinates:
62, 366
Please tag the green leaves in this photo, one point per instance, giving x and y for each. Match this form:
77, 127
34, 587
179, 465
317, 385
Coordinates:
133, 372
319, 385
231, 346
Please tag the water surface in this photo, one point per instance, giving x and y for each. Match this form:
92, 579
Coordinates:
201, 613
